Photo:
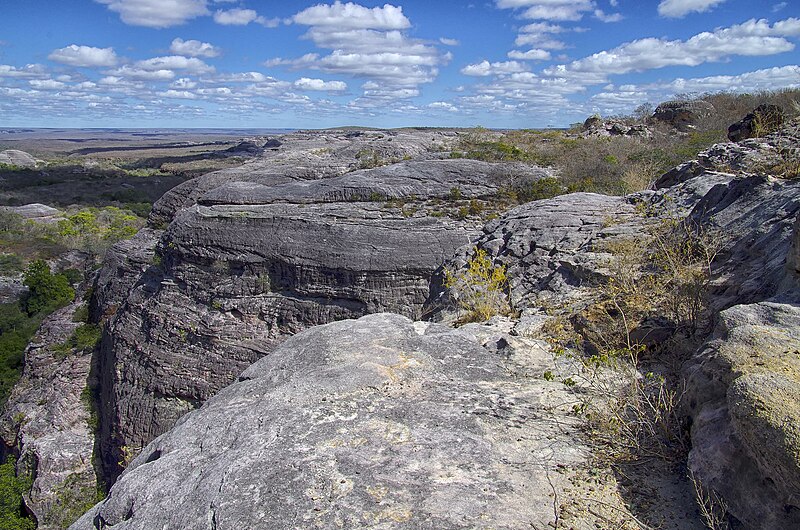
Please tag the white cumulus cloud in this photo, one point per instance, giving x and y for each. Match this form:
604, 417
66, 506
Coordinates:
175, 62
602, 16
548, 9
485, 68
156, 13
623, 99
353, 16
304, 83
144, 74
235, 17
243, 17
46, 84
193, 48
752, 38
681, 8
443, 105
87, 56
27, 71
367, 43
530, 55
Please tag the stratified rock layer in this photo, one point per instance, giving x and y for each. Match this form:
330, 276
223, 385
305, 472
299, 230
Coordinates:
253, 261
47, 422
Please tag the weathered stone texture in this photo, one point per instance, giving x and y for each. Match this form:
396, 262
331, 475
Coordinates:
375, 423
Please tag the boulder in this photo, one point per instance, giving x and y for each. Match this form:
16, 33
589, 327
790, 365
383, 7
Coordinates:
15, 157
244, 148
743, 394
592, 122
272, 143
682, 115
763, 120
35, 211
595, 126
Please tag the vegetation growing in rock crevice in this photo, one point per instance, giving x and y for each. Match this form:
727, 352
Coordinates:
19, 321
480, 289
74, 499
631, 339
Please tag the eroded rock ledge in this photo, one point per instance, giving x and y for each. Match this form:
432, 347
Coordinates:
255, 259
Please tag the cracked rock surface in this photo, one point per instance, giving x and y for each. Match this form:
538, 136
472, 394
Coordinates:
379, 422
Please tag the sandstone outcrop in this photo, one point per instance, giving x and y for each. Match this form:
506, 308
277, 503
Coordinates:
379, 422
551, 248
682, 115
47, 422
304, 156
594, 126
36, 212
385, 422
259, 257
15, 157
744, 391
742, 386
732, 191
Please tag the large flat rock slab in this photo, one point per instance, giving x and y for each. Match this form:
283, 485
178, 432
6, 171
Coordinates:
379, 422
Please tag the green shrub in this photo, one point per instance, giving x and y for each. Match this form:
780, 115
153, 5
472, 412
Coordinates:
140, 209
11, 263
16, 330
81, 314
96, 229
12, 488
74, 499
475, 207
86, 336
545, 188
46, 291
455, 194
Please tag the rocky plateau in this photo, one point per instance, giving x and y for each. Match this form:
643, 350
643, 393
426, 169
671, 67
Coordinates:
279, 349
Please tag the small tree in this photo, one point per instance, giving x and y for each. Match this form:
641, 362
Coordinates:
46, 291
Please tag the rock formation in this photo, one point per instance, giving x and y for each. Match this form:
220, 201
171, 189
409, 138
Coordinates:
595, 126
379, 422
37, 212
260, 256
242, 416
682, 115
742, 386
48, 421
15, 157
744, 391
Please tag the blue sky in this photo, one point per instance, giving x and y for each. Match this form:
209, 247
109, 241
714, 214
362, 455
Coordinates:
304, 64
